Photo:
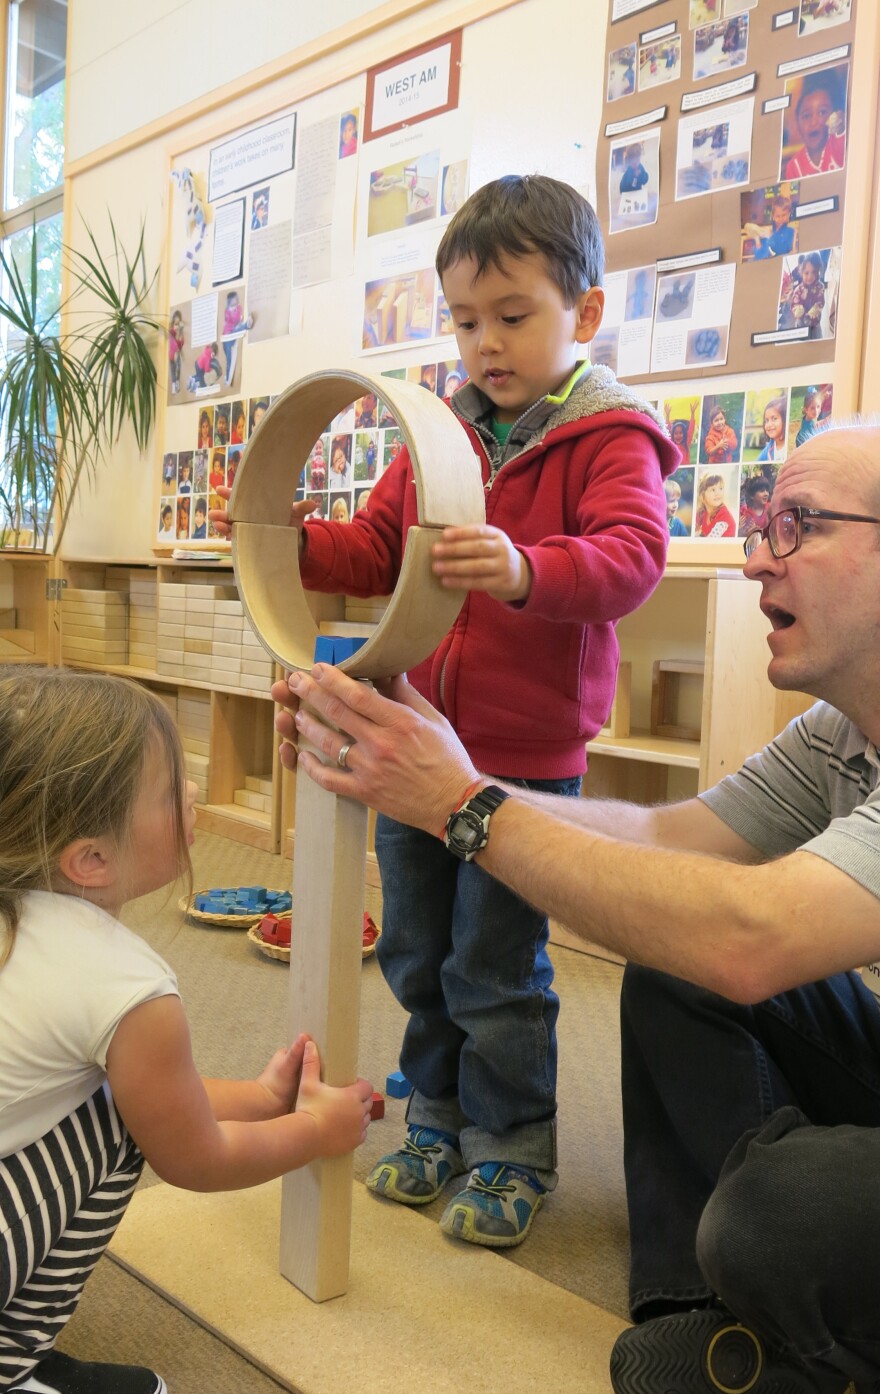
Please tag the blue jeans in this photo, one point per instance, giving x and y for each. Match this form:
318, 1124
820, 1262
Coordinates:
468, 960
752, 1158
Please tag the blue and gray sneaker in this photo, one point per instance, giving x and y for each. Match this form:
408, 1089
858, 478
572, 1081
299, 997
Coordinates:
497, 1206
418, 1172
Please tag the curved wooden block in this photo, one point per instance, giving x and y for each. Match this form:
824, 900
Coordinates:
265, 558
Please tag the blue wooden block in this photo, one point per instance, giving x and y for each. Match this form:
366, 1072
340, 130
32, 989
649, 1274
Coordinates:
397, 1086
325, 647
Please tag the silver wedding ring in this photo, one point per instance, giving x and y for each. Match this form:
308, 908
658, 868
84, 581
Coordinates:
343, 755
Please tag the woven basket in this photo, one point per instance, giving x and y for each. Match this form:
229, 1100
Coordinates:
187, 906
275, 951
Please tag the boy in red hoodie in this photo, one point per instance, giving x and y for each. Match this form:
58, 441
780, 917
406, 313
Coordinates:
575, 537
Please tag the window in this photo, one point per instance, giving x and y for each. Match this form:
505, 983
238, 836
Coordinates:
33, 44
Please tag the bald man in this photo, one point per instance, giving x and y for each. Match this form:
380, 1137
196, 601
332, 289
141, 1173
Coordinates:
750, 1054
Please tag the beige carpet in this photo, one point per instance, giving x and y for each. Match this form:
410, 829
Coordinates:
235, 1001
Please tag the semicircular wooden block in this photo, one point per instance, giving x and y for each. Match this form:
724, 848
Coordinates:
265, 552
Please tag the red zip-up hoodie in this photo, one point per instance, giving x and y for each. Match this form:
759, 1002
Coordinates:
578, 488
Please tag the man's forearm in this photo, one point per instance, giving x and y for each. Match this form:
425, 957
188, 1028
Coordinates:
646, 903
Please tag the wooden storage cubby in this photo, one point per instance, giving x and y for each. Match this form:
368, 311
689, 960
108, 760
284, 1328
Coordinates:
26, 609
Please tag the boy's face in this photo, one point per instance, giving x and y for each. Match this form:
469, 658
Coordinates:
673, 495
812, 120
808, 274
515, 336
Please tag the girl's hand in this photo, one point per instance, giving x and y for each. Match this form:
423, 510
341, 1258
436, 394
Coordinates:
341, 1116
221, 520
481, 558
281, 1077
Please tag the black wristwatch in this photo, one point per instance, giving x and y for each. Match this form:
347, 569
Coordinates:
467, 827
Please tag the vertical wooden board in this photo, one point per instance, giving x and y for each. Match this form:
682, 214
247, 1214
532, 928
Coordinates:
324, 1000
739, 702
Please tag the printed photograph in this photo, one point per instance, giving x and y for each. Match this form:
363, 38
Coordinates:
634, 181
814, 123
348, 134
398, 309
660, 62
808, 294
768, 222
755, 495
717, 495
765, 426
679, 491
817, 15
683, 424
621, 72
721, 428
718, 47
404, 194
811, 405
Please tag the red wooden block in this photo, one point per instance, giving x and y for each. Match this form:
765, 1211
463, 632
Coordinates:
377, 1107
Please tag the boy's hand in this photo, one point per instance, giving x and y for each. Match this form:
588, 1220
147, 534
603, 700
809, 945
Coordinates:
341, 1116
221, 520
281, 1077
481, 558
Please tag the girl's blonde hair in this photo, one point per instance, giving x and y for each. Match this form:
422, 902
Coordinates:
72, 753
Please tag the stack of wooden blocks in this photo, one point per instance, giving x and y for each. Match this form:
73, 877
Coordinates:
94, 627
194, 725
142, 610
256, 794
204, 636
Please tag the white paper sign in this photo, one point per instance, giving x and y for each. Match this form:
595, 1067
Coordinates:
410, 89
251, 157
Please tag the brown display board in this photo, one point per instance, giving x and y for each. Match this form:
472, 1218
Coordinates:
815, 37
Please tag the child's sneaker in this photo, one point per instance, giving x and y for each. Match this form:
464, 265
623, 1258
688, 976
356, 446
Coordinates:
61, 1374
418, 1172
497, 1206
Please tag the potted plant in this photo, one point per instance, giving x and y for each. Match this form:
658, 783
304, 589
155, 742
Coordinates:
71, 377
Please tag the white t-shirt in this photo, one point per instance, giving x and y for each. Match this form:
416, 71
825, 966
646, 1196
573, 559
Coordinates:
73, 974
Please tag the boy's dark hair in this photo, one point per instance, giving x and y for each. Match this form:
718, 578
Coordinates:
825, 81
201, 507
522, 214
813, 259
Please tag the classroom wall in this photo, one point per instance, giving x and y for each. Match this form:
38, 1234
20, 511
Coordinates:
182, 49
533, 104
532, 81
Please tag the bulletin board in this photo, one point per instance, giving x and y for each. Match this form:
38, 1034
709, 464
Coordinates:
699, 136
351, 190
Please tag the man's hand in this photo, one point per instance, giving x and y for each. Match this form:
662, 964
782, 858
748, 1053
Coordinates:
481, 558
221, 520
404, 758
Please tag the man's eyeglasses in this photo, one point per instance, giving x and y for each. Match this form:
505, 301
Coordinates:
785, 530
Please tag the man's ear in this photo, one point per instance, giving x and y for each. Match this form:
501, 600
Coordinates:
590, 308
88, 862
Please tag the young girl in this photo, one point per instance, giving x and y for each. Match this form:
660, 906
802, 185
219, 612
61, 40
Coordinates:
774, 431
810, 418
754, 509
95, 1064
714, 518
721, 441
239, 424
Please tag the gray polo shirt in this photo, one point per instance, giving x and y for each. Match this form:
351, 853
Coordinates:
815, 787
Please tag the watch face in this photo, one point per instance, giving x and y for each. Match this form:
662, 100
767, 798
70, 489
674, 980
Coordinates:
469, 835
468, 831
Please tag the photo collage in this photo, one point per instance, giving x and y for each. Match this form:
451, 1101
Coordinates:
362, 441
731, 446
795, 133
190, 477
